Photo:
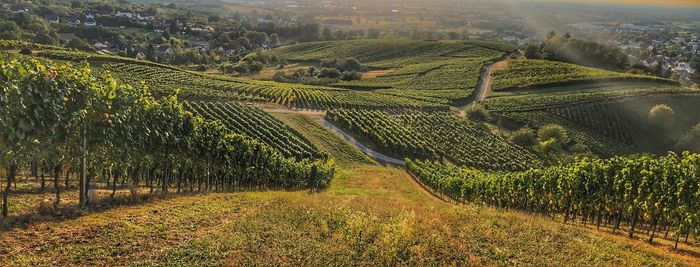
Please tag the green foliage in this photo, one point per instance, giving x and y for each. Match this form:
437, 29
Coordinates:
477, 113
257, 124
661, 116
691, 140
559, 97
582, 52
599, 144
74, 111
524, 137
438, 135
659, 191
553, 132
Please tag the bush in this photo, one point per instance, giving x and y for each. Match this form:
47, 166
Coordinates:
329, 63
329, 73
554, 132
79, 44
350, 76
46, 208
579, 148
350, 64
661, 115
241, 68
691, 140
477, 113
524, 137
255, 66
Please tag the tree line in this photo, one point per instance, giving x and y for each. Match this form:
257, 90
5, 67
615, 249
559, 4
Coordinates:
566, 48
70, 119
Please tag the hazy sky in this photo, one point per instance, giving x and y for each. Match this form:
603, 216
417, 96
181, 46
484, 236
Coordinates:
655, 2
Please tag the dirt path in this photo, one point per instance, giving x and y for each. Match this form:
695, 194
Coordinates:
370, 152
484, 85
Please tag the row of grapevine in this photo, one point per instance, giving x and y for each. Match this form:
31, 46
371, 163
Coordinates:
198, 87
602, 118
257, 124
660, 194
599, 144
61, 115
433, 135
534, 72
544, 99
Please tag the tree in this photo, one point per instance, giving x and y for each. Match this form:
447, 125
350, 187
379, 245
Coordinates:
691, 140
695, 63
213, 18
350, 64
274, 40
328, 34
661, 116
477, 113
79, 44
531, 51
524, 137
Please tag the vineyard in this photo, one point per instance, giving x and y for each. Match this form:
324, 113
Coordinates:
598, 143
89, 122
198, 87
257, 124
435, 136
603, 118
390, 53
449, 79
644, 193
520, 73
559, 97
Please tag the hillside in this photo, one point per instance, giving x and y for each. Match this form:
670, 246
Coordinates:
519, 73
533, 167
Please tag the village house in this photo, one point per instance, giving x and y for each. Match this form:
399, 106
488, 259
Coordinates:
123, 13
52, 18
16, 9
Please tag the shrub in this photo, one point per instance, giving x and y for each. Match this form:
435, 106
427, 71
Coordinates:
255, 66
661, 115
524, 137
691, 140
329, 73
329, 63
350, 64
241, 68
46, 208
350, 76
553, 132
477, 113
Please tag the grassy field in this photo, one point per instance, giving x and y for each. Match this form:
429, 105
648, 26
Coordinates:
331, 144
371, 215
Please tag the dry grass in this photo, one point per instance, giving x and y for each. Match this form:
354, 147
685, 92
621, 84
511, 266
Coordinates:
371, 215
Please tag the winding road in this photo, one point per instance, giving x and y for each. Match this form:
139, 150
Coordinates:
483, 87
482, 90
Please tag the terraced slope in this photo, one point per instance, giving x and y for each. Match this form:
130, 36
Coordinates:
434, 71
433, 135
519, 73
258, 124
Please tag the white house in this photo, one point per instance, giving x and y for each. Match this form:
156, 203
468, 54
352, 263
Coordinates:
146, 16
125, 13
16, 9
53, 18
90, 22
